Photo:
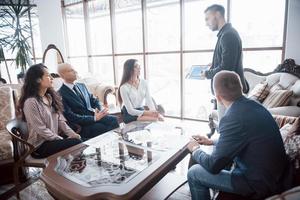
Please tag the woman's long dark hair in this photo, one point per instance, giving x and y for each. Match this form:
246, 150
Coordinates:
127, 74
31, 89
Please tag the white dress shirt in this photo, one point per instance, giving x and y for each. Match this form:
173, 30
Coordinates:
70, 85
134, 97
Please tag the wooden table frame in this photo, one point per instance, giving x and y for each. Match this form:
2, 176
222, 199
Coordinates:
61, 188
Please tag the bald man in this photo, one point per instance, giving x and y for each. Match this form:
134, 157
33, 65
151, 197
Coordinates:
81, 107
250, 138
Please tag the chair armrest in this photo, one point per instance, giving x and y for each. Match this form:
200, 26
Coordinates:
102, 90
292, 111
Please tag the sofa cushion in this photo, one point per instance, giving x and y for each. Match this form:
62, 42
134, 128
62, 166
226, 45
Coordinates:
276, 87
277, 98
7, 112
291, 137
260, 92
293, 111
282, 120
6, 147
292, 194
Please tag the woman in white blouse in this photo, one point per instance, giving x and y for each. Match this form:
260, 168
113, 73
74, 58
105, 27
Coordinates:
132, 93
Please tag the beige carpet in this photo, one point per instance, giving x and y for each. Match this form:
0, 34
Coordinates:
35, 191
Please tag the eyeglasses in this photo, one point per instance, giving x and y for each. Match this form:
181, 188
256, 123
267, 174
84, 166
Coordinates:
137, 67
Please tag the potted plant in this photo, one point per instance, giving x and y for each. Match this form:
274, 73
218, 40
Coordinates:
16, 32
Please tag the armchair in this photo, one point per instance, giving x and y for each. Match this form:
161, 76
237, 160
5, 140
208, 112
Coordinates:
7, 112
22, 156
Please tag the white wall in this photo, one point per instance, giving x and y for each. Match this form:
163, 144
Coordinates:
51, 27
293, 31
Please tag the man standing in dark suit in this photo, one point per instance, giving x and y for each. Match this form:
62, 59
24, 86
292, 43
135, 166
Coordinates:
81, 107
249, 137
228, 51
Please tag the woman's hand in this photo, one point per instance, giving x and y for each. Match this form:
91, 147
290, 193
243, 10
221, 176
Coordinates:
75, 135
151, 113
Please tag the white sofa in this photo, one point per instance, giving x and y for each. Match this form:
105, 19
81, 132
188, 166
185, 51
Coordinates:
286, 81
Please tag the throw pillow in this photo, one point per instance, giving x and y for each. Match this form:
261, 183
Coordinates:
277, 98
259, 92
276, 87
291, 137
285, 130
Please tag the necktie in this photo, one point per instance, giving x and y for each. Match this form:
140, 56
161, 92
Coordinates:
78, 93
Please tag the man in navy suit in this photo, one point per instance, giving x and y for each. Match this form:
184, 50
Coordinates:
81, 107
250, 138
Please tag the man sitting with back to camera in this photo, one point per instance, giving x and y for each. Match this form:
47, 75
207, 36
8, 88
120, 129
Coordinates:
250, 138
81, 107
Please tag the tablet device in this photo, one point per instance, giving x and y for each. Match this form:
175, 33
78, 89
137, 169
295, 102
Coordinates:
195, 71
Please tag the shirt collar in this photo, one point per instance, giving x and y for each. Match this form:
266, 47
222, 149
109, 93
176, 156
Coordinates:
226, 26
69, 85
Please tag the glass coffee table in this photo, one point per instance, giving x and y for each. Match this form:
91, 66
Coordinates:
121, 164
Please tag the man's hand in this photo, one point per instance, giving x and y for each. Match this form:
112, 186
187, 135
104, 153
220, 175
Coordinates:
100, 114
202, 140
202, 75
161, 118
193, 145
75, 135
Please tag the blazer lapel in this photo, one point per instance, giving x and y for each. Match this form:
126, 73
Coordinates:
74, 96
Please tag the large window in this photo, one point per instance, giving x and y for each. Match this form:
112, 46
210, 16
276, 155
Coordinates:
29, 26
168, 37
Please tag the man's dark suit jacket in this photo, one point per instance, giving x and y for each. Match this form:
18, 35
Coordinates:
250, 138
227, 55
76, 110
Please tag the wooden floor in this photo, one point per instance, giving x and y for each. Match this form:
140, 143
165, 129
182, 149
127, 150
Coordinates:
182, 193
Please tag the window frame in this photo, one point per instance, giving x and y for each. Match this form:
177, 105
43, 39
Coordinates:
145, 51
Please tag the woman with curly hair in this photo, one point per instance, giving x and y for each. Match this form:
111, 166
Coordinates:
41, 108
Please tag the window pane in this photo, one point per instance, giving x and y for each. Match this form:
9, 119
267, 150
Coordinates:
120, 60
197, 94
163, 20
12, 71
9, 35
128, 26
197, 34
36, 33
100, 29
258, 26
102, 69
164, 81
76, 30
262, 61
80, 65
